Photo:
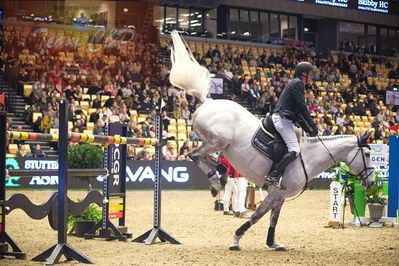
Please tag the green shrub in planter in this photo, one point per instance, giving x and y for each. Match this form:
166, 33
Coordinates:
85, 156
92, 213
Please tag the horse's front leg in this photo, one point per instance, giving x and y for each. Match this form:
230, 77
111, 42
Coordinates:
270, 202
208, 166
273, 222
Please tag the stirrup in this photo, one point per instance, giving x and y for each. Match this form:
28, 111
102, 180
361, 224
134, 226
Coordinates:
275, 182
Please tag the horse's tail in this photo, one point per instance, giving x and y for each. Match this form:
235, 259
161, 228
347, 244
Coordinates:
186, 72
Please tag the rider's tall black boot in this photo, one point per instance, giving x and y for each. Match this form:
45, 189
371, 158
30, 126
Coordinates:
273, 179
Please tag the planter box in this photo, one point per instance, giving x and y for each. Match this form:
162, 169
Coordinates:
83, 227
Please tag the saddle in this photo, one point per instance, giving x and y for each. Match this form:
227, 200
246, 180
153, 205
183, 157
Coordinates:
268, 141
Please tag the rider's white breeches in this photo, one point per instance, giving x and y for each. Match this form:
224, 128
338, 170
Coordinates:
287, 131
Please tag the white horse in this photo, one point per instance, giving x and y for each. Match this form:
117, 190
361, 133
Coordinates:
226, 126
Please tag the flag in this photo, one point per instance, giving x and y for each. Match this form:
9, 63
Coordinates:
394, 128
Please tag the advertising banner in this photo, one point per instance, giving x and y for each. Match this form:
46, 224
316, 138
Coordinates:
139, 175
379, 154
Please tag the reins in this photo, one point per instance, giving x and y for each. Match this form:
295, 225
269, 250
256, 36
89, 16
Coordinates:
357, 176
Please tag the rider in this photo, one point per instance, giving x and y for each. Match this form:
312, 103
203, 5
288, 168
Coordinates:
290, 109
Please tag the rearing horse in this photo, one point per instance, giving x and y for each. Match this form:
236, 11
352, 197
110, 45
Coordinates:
226, 126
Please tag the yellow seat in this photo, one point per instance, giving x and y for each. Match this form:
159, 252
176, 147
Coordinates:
90, 126
181, 136
172, 129
13, 148
92, 110
36, 116
181, 122
172, 122
181, 128
28, 90
54, 131
86, 97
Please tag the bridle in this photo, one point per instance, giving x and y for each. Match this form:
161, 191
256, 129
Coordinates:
362, 175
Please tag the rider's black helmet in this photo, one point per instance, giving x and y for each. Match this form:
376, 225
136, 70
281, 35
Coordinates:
303, 67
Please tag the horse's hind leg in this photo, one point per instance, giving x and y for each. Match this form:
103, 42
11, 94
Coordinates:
273, 222
272, 201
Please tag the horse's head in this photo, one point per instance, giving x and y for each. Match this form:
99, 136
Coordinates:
360, 161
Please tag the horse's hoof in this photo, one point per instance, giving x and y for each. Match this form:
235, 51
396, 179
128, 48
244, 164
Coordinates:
214, 192
234, 248
281, 249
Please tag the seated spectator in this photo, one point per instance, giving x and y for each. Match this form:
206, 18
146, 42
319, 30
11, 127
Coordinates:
145, 130
378, 134
46, 122
99, 127
327, 131
131, 152
97, 102
22, 152
171, 154
141, 154
339, 131
349, 130
37, 152
184, 156
184, 146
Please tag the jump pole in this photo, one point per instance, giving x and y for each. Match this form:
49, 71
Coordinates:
5, 239
393, 179
114, 190
54, 253
157, 232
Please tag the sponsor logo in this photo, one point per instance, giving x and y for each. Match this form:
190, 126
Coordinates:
376, 6
173, 174
11, 163
338, 3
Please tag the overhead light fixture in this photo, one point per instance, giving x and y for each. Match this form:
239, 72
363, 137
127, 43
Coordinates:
305, 29
125, 10
32, 15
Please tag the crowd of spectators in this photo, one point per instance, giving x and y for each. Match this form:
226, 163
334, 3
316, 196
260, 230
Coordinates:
347, 93
136, 78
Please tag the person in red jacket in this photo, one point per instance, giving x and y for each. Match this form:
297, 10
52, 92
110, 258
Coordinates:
230, 188
235, 190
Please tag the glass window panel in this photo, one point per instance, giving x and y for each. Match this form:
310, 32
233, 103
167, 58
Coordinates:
244, 22
384, 39
234, 21
161, 18
170, 19
264, 20
392, 37
254, 23
372, 30
274, 26
284, 26
196, 20
351, 33
293, 27
183, 18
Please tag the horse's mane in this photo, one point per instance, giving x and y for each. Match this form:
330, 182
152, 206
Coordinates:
328, 138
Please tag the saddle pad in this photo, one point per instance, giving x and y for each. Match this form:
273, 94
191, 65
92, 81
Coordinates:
263, 143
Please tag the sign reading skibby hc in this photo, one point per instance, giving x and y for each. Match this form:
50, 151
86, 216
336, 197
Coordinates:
380, 6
